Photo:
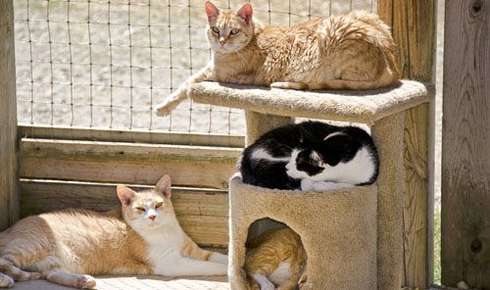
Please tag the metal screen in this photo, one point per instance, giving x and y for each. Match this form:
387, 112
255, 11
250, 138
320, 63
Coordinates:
105, 64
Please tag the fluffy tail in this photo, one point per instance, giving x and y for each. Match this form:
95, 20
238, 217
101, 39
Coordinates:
382, 39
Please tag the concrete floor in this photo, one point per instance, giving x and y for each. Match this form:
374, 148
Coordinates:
138, 283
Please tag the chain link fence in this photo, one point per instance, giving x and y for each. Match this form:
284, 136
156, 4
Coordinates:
106, 64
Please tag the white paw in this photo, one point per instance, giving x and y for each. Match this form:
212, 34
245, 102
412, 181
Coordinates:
86, 282
219, 258
265, 284
6, 281
269, 286
307, 185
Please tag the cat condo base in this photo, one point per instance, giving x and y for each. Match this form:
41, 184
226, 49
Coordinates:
337, 229
350, 257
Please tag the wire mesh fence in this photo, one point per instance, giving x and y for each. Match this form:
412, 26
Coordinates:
106, 64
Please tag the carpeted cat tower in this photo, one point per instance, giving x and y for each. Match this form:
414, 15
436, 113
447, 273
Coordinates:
353, 236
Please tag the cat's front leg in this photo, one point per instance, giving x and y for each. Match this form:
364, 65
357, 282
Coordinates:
177, 97
289, 85
192, 250
191, 267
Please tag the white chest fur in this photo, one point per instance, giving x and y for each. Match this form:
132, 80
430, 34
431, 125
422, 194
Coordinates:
164, 250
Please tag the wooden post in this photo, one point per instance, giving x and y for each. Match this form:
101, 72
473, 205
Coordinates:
258, 124
8, 118
388, 134
465, 145
413, 25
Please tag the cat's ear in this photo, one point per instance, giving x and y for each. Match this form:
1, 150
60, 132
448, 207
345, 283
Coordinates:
125, 194
212, 11
164, 186
245, 12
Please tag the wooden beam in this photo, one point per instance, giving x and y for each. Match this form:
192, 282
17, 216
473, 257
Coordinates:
203, 213
413, 25
136, 163
135, 136
8, 118
465, 145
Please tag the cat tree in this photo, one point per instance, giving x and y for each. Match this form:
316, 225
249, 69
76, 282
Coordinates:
353, 236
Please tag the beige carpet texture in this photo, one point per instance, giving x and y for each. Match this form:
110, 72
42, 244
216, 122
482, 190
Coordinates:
353, 237
352, 106
338, 231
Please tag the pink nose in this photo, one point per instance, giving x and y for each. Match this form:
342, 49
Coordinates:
152, 217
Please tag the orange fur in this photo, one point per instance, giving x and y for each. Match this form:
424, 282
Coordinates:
57, 245
352, 51
266, 253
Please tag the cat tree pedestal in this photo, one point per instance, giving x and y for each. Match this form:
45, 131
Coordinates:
337, 228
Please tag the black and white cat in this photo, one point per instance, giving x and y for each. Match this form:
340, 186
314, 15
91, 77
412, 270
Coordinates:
311, 156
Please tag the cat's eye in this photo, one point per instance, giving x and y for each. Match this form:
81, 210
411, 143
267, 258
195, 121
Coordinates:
158, 205
141, 208
215, 29
234, 31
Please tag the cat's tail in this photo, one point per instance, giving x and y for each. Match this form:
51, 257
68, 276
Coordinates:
383, 40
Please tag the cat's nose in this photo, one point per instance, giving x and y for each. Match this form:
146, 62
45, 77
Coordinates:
222, 40
152, 217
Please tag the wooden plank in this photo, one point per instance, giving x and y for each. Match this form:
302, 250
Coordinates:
203, 213
465, 149
413, 26
136, 163
8, 118
152, 137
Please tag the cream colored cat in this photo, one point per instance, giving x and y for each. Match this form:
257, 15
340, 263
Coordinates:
142, 237
353, 51
275, 259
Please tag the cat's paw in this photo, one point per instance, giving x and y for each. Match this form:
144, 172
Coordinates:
267, 287
307, 185
219, 258
171, 102
289, 85
35, 276
6, 281
86, 282
264, 282
164, 108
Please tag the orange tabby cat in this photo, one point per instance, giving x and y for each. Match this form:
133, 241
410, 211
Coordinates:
353, 51
275, 258
142, 237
